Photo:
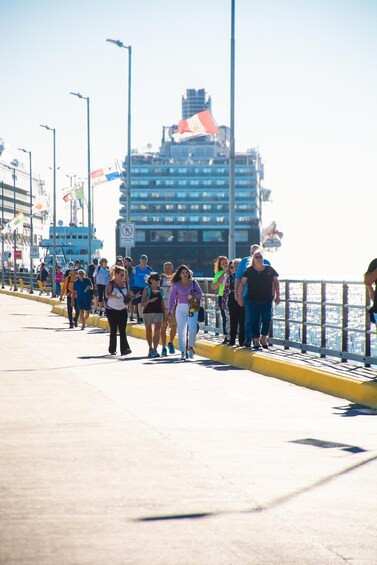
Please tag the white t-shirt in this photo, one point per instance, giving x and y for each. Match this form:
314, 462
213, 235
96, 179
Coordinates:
117, 303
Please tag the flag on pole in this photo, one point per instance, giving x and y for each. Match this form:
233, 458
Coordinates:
198, 125
40, 206
79, 193
104, 175
14, 222
68, 196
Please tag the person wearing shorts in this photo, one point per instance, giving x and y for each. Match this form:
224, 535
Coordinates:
102, 278
152, 302
140, 274
82, 296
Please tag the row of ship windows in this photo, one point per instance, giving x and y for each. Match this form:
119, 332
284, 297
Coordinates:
167, 182
192, 170
188, 236
186, 207
192, 195
191, 219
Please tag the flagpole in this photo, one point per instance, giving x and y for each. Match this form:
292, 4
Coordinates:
14, 232
31, 220
2, 234
90, 212
232, 239
120, 44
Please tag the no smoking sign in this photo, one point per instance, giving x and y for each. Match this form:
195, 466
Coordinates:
127, 234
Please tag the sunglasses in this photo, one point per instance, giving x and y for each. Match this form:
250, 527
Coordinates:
258, 256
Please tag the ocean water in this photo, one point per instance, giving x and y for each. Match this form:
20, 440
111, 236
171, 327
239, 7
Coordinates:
336, 313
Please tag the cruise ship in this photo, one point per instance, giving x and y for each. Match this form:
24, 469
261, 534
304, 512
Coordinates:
180, 197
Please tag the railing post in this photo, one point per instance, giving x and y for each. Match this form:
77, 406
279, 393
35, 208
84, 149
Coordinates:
367, 328
344, 319
304, 328
205, 305
287, 315
323, 316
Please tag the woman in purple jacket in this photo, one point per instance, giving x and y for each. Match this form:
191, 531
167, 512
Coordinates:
184, 288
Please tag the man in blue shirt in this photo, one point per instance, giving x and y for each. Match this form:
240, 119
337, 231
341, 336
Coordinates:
243, 265
82, 296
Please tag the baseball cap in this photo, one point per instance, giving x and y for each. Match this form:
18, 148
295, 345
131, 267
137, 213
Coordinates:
95, 260
144, 257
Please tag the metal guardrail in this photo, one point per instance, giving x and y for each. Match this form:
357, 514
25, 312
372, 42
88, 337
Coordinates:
325, 317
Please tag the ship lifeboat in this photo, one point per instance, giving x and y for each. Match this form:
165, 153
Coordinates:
271, 238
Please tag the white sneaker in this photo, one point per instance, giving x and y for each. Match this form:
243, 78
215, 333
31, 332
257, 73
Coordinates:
191, 353
183, 356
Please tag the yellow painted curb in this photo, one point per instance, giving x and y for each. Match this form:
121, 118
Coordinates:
309, 377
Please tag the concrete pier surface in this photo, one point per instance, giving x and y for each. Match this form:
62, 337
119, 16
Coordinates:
111, 460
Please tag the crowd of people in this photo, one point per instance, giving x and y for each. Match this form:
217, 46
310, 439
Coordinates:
169, 303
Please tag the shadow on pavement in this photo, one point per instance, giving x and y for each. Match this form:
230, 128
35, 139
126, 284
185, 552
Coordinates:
351, 410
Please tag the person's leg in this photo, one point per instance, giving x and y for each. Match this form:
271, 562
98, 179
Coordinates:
156, 336
254, 317
148, 335
241, 324
69, 310
233, 318
192, 322
111, 316
163, 333
122, 324
101, 292
181, 316
223, 314
85, 316
173, 333
82, 311
266, 314
247, 325
77, 314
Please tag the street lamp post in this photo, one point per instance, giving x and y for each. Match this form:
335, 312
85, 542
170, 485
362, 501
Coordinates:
128, 191
2, 234
232, 238
54, 211
89, 187
31, 219
14, 233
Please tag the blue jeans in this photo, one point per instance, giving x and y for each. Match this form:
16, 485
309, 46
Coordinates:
247, 319
223, 313
260, 317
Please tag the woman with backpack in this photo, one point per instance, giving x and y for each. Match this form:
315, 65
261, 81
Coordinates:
152, 302
117, 299
101, 277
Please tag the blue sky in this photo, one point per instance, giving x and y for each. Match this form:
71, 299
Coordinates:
305, 96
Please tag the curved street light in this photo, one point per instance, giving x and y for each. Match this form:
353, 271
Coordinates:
78, 95
54, 210
119, 43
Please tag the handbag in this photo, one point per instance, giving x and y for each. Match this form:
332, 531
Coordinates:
126, 297
201, 314
194, 301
